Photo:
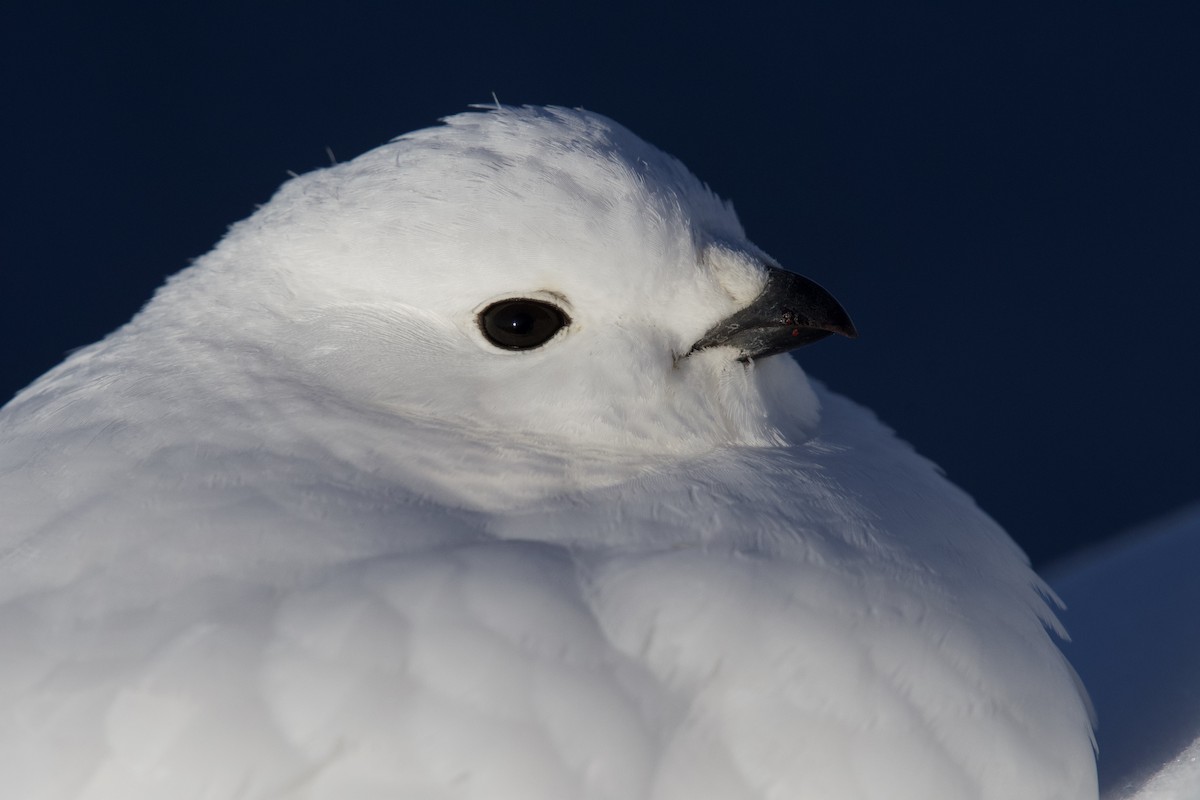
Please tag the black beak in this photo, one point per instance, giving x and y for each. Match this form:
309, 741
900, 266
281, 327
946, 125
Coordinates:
791, 311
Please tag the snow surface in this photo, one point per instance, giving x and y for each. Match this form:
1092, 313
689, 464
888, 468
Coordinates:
1136, 644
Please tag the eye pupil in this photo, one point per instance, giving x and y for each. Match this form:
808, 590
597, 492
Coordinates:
521, 324
517, 322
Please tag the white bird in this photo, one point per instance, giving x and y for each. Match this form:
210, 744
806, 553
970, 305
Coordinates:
470, 469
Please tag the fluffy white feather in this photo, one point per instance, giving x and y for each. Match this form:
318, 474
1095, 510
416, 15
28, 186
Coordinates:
298, 530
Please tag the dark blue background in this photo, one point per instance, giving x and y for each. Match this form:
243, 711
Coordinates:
1005, 198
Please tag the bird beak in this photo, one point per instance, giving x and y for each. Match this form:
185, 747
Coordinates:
791, 311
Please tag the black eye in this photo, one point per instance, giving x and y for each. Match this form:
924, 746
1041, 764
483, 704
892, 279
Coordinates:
520, 323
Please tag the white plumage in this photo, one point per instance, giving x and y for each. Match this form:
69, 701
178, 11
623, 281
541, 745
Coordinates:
301, 530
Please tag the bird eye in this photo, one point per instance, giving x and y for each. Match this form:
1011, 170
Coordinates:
520, 323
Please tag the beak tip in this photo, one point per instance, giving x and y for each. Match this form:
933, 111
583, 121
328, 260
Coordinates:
836, 320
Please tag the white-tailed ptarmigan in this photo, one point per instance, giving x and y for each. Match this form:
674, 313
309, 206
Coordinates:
473, 468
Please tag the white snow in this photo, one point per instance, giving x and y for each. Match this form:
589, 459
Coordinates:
298, 530
1137, 647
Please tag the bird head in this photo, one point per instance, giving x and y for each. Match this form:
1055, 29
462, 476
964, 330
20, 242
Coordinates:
540, 271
